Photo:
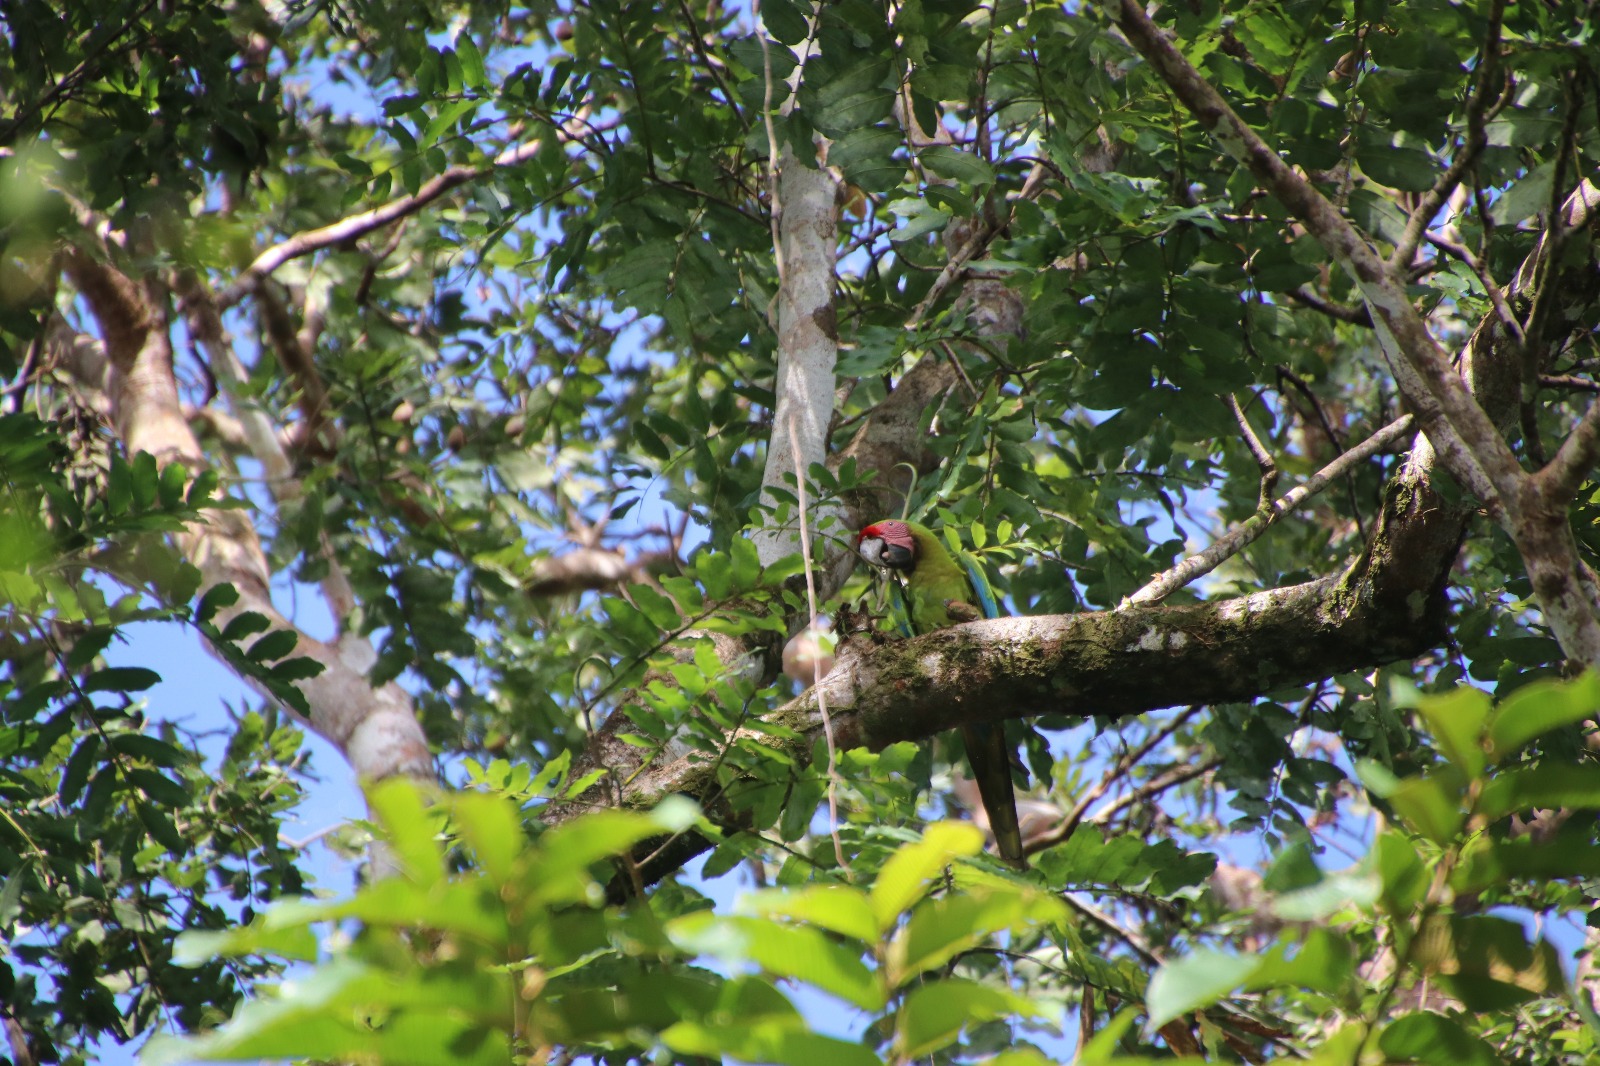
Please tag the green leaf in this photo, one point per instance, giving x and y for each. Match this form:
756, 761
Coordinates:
119, 487
274, 645
850, 98
215, 599
473, 74
11, 892
766, 1042
1528, 196
956, 165
1402, 167
1195, 981
934, 1014
244, 624
1539, 708
785, 22
940, 929
1434, 1040
283, 929
174, 477
1457, 719
75, 773
662, 612
1548, 785
159, 787
202, 488
1486, 862
746, 564
1328, 895
347, 1010
906, 873
1091, 858
561, 872
1403, 874
1324, 962
1487, 962
1429, 807
837, 908
867, 156
649, 440
490, 826
797, 952
121, 679
1105, 1045
162, 829
300, 668
409, 829
146, 481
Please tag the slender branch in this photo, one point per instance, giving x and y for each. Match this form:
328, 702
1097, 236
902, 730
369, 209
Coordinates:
816, 662
74, 77
1467, 156
1155, 786
1069, 824
1497, 296
1355, 316
589, 568
349, 228
1569, 381
1264, 460
1335, 438
1225, 547
712, 66
1575, 461
295, 358
774, 202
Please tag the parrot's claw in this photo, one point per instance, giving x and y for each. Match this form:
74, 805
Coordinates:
961, 611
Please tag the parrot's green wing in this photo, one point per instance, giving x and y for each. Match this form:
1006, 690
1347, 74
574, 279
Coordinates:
899, 609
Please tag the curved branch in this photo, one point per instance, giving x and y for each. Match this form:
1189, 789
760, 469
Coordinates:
374, 727
1198, 565
349, 228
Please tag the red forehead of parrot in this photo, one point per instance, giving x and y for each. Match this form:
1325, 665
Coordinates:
893, 534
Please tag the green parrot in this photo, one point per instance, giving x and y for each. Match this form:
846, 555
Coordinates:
938, 592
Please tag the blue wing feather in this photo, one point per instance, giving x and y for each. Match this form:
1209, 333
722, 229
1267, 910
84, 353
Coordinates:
981, 587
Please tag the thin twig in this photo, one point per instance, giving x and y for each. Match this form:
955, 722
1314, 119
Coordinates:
774, 207
1497, 296
353, 226
1156, 785
1356, 316
1574, 461
1334, 437
1264, 460
1467, 156
1069, 824
1196, 566
1568, 381
816, 660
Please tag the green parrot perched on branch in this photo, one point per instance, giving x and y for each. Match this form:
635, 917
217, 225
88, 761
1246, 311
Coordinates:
938, 592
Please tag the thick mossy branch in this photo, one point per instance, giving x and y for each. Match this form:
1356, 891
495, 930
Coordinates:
1114, 663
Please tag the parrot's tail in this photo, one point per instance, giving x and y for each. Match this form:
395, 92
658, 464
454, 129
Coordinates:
990, 759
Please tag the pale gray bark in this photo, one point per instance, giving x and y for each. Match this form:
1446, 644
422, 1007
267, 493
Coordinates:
808, 348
